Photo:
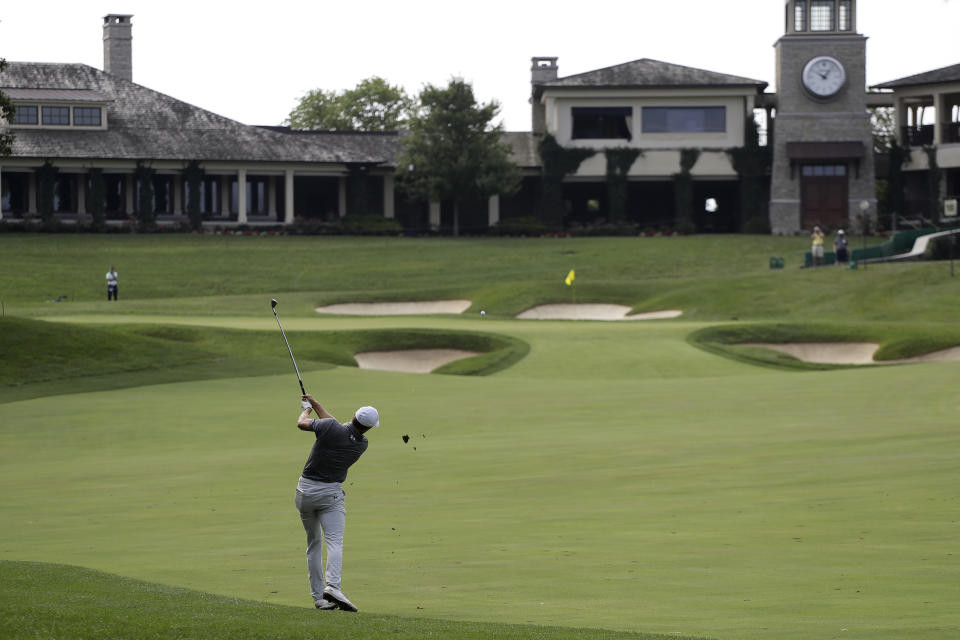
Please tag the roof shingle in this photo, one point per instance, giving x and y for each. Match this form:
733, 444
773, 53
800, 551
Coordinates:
645, 72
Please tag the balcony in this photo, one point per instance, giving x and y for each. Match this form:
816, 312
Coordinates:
950, 133
917, 136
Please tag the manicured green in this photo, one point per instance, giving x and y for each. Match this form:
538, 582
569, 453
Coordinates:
617, 476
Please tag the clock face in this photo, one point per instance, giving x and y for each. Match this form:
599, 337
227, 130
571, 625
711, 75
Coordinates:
824, 76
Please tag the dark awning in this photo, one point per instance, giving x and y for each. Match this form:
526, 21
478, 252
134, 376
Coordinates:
825, 150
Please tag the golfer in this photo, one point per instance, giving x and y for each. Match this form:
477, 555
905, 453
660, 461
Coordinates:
320, 495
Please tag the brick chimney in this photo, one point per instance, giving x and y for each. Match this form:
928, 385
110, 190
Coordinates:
544, 69
118, 45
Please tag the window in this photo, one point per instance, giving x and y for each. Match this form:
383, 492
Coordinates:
257, 195
55, 115
843, 16
821, 170
684, 119
821, 15
800, 15
86, 116
602, 123
26, 114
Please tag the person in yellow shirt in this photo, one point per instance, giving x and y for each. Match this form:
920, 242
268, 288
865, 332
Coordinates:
817, 249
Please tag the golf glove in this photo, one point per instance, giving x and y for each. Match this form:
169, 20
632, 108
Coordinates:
304, 405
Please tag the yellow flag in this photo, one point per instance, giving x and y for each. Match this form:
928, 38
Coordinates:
570, 277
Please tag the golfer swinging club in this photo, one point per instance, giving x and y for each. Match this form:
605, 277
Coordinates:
320, 495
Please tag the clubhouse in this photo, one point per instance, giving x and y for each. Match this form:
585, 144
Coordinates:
74, 122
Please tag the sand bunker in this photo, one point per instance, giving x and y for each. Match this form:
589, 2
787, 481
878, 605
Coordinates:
848, 352
396, 308
591, 312
410, 360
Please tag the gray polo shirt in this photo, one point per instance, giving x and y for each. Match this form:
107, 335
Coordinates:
337, 447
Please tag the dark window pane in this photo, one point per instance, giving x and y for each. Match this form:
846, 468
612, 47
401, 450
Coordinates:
86, 116
56, 115
25, 114
684, 119
602, 122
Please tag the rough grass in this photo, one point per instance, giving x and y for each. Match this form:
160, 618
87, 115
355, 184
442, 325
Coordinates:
40, 600
713, 278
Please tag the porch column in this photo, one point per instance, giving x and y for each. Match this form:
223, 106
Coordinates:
493, 210
178, 195
242, 196
939, 108
900, 118
434, 214
225, 196
272, 196
129, 188
81, 193
32, 194
389, 210
288, 196
341, 196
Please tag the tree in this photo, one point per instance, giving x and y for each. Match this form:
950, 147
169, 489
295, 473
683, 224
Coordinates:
883, 123
453, 151
7, 110
619, 161
683, 190
373, 105
557, 162
752, 164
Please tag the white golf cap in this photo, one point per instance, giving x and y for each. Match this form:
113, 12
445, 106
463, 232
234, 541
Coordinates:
368, 417
840, 232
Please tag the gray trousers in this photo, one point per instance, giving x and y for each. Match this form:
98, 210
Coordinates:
323, 513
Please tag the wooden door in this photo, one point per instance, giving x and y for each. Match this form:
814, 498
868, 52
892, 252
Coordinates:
823, 196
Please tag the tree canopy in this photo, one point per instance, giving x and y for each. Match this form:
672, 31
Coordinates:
373, 105
6, 114
454, 151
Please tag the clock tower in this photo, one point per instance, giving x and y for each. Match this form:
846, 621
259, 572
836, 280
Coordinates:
823, 169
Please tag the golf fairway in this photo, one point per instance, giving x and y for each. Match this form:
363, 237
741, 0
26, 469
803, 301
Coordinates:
616, 478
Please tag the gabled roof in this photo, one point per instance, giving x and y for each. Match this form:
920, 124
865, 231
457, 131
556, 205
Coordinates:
147, 125
647, 73
937, 76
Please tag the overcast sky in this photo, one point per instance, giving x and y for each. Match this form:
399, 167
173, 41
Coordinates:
252, 61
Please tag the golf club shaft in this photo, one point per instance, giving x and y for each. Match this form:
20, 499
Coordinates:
290, 351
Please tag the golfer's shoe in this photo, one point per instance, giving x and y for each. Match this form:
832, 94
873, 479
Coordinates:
325, 605
334, 595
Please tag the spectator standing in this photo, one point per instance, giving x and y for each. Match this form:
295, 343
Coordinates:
112, 279
817, 246
840, 246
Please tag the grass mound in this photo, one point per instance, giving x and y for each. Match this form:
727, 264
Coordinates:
896, 341
35, 353
40, 600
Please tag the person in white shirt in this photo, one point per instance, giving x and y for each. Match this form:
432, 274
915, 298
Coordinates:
112, 279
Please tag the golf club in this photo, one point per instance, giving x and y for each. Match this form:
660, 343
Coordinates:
273, 305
